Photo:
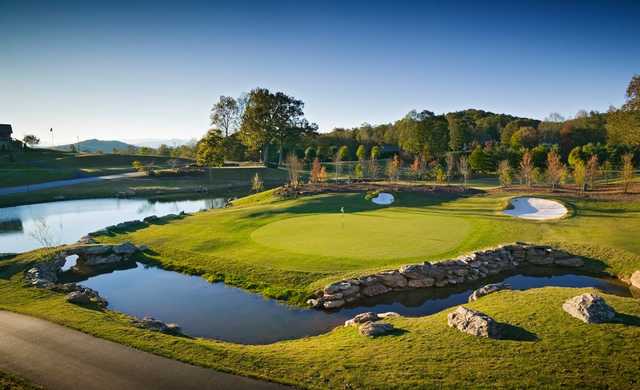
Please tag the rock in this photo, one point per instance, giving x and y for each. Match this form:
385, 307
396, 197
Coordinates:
151, 219
473, 322
488, 289
93, 250
78, 298
333, 297
374, 289
569, 262
412, 271
126, 249
362, 318
589, 308
421, 283
375, 329
157, 325
393, 279
314, 303
100, 260
334, 304
635, 279
87, 240
388, 314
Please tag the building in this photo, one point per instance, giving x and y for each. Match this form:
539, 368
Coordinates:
6, 142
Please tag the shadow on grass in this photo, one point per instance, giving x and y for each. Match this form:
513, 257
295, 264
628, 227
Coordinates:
626, 319
515, 333
355, 202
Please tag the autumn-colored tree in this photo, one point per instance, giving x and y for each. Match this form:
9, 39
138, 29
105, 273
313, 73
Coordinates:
393, 168
526, 168
627, 171
465, 170
579, 174
322, 177
555, 169
593, 168
440, 174
504, 171
416, 167
316, 167
605, 170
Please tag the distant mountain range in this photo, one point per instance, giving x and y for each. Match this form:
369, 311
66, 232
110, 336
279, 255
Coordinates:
96, 145
156, 142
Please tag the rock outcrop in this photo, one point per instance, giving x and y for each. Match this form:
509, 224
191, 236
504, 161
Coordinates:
157, 325
45, 274
131, 225
473, 322
80, 295
467, 268
488, 289
589, 308
375, 329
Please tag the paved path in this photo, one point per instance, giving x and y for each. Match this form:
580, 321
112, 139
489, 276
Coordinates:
64, 183
61, 358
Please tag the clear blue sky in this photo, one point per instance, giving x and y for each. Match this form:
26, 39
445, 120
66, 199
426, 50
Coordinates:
114, 70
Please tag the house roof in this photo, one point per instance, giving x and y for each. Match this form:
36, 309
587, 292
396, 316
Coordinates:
5, 131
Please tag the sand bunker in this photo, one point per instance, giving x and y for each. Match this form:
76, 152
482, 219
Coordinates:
536, 208
383, 198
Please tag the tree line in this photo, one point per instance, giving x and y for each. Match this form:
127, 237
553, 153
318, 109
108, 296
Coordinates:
268, 126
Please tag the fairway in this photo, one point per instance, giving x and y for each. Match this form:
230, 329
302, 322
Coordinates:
384, 234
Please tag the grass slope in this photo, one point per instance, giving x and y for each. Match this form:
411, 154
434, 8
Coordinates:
41, 165
545, 347
286, 249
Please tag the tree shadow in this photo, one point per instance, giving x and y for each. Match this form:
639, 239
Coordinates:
515, 333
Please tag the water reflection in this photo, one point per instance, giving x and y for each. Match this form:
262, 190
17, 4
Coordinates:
217, 311
28, 227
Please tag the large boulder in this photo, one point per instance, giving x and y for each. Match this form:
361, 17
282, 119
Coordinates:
635, 279
375, 329
126, 249
473, 322
488, 289
393, 279
589, 308
335, 304
362, 318
101, 260
157, 325
78, 298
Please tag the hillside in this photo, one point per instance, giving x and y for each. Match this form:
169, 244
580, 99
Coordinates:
96, 146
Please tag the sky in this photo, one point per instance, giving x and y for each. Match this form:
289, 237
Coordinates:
135, 69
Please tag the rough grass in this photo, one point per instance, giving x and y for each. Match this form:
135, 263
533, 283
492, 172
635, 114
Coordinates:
289, 248
41, 165
12, 382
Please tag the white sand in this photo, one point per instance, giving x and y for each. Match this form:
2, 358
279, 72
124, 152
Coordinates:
536, 208
383, 198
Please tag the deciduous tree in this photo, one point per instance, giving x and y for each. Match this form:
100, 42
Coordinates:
210, 149
526, 168
555, 169
505, 174
627, 171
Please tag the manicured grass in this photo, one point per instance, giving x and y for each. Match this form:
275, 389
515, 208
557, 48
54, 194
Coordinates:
545, 347
287, 249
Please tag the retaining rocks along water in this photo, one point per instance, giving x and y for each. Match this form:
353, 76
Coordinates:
488, 289
589, 308
635, 279
467, 268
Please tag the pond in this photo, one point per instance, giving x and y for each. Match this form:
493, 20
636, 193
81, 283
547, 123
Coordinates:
24, 228
214, 310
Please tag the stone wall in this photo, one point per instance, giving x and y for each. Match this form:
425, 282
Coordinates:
467, 268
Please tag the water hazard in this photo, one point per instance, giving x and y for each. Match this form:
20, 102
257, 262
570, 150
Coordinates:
214, 310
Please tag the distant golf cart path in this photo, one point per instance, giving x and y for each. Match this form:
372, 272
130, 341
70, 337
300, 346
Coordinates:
66, 182
61, 358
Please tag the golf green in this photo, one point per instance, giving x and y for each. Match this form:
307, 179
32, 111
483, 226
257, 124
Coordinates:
382, 234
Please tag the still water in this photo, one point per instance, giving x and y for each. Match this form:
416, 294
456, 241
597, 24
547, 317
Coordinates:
28, 227
218, 311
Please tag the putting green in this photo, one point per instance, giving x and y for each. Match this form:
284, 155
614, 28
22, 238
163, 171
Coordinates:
382, 234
